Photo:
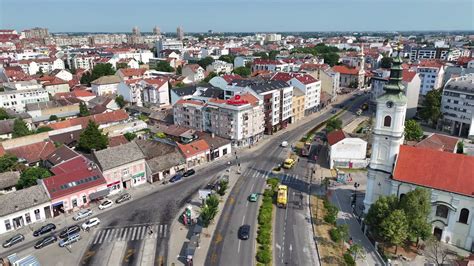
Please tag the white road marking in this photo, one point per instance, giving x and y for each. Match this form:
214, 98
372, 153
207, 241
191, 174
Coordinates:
243, 219
238, 249
134, 229
97, 237
165, 231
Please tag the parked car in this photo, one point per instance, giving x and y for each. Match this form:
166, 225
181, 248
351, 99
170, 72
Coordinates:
190, 172
46, 241
90, 223
123, 197
82, 214
69, 240
284, 144
13, 240
253, 197
44, 229
333, 111
244, 232
176, 178
105, 204
70, 231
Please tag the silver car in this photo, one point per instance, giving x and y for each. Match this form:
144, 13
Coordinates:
82, 214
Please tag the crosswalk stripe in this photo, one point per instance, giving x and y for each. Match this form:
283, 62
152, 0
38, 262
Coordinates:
112, 235
143, 233
161, 229
140, 232
102, 236
165, 230
125, 233
132, 234
97, 237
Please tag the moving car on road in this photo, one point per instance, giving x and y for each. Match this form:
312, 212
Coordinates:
176, 178
69, 240
13, 240
46, 241
284, 144
82, 214
190, 172
44, 229
69, 231
253, 197
123, 197
244, 232
90, 223
105, 204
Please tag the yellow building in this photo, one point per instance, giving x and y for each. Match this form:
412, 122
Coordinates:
298, 105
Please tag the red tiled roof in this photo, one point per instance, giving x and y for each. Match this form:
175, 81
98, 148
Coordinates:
69, 165
408, 75
68, 183
336, 136
310, 67
230, 78
430, 63
35, 152
346, 70
440, 170
439, 142
117, 140
193, 148
267, 62
103, 118
193, 67
130, 72
156, 81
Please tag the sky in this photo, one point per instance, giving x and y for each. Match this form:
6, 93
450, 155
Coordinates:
237, 15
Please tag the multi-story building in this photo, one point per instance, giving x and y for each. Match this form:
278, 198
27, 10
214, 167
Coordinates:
106, 85
329, 78
145, 91
298, 105
101, 39
180, 33
42, 65
457, 105
420, 53
35, 33
16, 99
431, 75
193, 73
83, 61
272, 65
171, 44
220, 66
305, 83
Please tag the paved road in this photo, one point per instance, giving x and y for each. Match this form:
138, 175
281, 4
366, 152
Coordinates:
225, 248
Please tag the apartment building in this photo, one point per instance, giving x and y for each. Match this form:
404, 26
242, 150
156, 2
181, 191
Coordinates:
83, 61
420, 53
431, 74
16, 100
220, 66
457, 105
328, 77
171, 44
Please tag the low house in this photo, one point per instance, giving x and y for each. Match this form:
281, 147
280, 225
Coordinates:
8, 180
24, 207
164, 160
6, 128
74, 185
102, 104
62, 154
105, 85
196, 152
33, 154
42, 111
218, 146
54, 85
193, 73
131, 73
62, 74
345, 151
439, 142
69, 138
123, 166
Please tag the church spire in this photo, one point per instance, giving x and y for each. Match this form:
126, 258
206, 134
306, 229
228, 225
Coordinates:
394, 85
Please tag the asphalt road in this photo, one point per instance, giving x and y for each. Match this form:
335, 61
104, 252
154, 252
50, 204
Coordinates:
226, 248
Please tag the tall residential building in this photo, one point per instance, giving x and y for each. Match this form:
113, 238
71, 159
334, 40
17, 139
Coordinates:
36, 33
136, 31
169, 44
156, 30
431, 75
180, 33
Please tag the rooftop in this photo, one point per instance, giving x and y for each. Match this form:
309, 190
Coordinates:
23, 199
119, 155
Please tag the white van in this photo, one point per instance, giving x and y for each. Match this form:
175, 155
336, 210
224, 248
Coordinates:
284, 144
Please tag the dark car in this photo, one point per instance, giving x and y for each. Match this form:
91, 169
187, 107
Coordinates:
13, 240
45, 242
244, 232
44, 229
123, 197
70, 231
176, 178
190, 172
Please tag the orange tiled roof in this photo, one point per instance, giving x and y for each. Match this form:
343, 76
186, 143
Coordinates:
193, 148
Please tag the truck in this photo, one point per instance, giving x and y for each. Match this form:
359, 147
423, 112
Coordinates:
288, 163
282, 196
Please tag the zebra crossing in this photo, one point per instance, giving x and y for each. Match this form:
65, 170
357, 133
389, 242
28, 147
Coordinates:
289, 179
131, 233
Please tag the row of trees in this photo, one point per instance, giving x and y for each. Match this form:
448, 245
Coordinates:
264, 232
329, 53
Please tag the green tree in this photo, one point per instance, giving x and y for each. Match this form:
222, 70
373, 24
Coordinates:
272, 54
413, 130
130, 136
209, 77
98, 71
227, 58
243, 71
3, 114
83, 110
121, 65
180, 85
262, 55
331, 58
431, 110
86, 78
223, 185
205, 62
395, 228
30, 176
179, 70
212, 201
357, 251
8, 162
378, 212
417, 207
120, 101
92, 138
386, 62
164, 66
43, 129
333, 124
20, 128
53, 117
460, 148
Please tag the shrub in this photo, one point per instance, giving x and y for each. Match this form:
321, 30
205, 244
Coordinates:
335, 235
348, 259
331, 214
264, 255
264, 236
223, 185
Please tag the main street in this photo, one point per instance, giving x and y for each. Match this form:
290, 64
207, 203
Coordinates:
226, 248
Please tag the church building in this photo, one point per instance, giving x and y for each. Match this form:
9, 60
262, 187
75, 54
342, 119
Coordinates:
396, 169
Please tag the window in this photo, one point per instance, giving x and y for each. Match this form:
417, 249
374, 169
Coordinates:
442, 211
125, 171
8, 226
74, 203
27, 218
387, 121
464, 216
37, 214
84, 199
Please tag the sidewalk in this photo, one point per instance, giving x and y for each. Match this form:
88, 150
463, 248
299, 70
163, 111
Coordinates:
182, 234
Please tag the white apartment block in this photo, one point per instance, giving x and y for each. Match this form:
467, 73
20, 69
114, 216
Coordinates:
45, 65
145, 91
83, 62
16, 100
219, 67
431, 75
171, 44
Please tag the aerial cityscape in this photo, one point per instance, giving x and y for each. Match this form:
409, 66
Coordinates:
236, 133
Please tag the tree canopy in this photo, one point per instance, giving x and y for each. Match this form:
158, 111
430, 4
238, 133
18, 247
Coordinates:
164, 66
417, 207
120, 101
378, 211
431, 110
43, 129
227, 58
205, 62
3, 114
20, 128
8, 162
328, 53
413, 130
209, 77
53, 117
395, 228
83, 110
130, 136
242, 71
98, 71
92, 138
333, 124
30, 176
121, 65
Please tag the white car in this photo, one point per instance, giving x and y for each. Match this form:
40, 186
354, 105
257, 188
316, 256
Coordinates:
284, 144
105, 204
90, 223
82, 214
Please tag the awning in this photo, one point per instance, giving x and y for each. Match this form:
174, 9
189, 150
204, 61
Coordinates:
113, 184
57, 203
99, 194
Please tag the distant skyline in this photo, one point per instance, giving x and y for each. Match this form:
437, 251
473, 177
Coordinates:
237, 15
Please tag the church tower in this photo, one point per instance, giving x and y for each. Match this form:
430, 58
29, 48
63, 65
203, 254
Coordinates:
388, 133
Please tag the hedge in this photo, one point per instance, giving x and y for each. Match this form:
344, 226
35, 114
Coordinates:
264, 233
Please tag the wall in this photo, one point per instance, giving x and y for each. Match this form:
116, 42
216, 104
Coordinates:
22, 213
348, 149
